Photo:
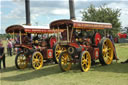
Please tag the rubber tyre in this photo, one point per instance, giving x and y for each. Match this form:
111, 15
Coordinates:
35, 60
101, 57
16, 62
85, 61
56, 60
54, 54
60, 62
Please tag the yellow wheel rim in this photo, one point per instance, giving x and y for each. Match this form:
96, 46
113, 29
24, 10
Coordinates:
37, 60
107, 51
58, 50
85, 61
65, 62
21, 61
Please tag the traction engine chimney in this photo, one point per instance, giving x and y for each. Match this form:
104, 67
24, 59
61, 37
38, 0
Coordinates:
27, 8
71, 9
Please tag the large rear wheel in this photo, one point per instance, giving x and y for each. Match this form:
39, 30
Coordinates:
37, 60
106, 51
21, 60
57, 49
65, 61
85, 61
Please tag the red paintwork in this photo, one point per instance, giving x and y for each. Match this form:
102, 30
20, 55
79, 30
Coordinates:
22, 45
121, 35
96, 53
74, 45
41, 30
26, 46
80, 24
37, 47
97, 38
50, 53
53, 40
90, 26
83, 47
30, 29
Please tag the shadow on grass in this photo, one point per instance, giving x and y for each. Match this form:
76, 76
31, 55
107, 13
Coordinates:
54, 69
115, 68
50, 70
8, 69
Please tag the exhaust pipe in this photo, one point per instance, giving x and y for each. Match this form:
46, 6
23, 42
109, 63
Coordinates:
27, 8
71, 9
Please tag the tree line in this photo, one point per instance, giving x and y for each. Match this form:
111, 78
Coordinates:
103, 14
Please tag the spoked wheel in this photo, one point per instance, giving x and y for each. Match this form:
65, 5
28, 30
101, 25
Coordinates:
85, 61
106, 51
57, 49
21, 61
37, 60
65, 61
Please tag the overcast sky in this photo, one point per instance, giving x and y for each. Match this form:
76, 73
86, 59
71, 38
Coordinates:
44, 11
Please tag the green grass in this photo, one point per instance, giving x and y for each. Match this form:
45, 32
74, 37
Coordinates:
114, 74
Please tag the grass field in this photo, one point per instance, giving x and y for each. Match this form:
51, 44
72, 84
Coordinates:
114, 74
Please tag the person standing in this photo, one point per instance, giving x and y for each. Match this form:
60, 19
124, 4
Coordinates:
10, 47
2, 55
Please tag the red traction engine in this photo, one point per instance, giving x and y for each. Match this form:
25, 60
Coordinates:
82, 44
35, 51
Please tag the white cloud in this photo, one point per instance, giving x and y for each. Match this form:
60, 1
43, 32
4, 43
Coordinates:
34, 16
78, 15
53, 9
60, 11
116, 5
15, 14
124, 12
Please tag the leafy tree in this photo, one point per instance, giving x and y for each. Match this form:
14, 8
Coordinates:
103, 14
4, 36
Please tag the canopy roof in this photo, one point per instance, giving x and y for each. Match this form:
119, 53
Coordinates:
30, 29
79, 24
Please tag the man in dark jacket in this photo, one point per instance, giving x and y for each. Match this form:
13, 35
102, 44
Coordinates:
2, 55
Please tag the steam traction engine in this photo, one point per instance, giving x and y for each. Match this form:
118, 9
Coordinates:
34, 51
83, 44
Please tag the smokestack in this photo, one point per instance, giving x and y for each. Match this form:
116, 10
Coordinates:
27, 8
71, 9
